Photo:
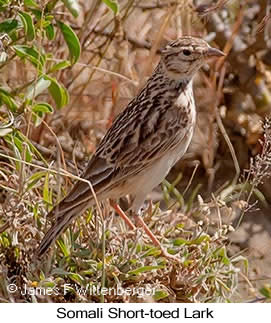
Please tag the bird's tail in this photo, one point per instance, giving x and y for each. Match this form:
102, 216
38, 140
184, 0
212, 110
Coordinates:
62, 220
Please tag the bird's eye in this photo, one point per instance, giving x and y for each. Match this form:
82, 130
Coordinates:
186, 52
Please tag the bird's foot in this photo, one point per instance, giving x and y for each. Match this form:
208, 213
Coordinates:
169, 256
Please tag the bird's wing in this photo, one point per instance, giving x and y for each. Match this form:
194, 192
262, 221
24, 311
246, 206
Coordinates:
98, 172
127, 150
147, 129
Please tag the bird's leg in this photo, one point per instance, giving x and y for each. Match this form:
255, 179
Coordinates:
140, 223
120, 212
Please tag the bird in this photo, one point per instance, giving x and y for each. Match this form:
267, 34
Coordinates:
144, 141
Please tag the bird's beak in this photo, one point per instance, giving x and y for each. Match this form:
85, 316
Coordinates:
214, 52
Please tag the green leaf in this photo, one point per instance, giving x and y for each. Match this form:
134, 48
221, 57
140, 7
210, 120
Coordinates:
31, 54
43, 107
260, 196
37, 88
37, 13
3, 3
50, 31
28, 25
153, 251
180, 242
113, 5
59, 66
8, 25
76, 277
60, 271
7, 99
144, 269
197, 241
65, 250
35, 178
40, 111
200, 239
51, 5
160, 294
58, 92
48, 284
30, 3
48, 19
19, 146
71, 40
46, 191
266, 291
32, 148
222, 252
72, 6
192, 197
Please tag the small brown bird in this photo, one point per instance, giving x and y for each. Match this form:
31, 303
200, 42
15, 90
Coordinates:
144, 142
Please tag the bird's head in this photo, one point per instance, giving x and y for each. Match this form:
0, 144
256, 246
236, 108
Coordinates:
183, 57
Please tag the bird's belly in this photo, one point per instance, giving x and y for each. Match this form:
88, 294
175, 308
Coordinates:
180, 149
155, 174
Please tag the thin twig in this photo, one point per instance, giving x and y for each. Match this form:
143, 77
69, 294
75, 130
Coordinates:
223, 130
191, 178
